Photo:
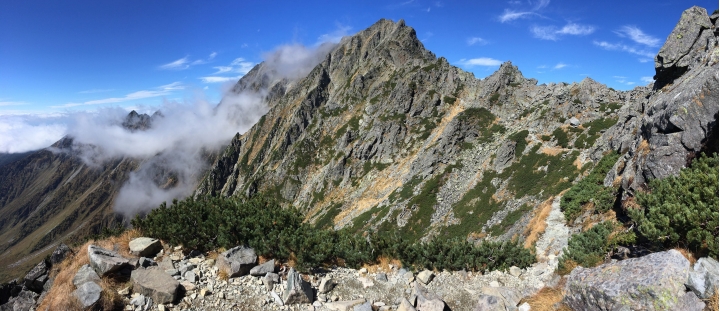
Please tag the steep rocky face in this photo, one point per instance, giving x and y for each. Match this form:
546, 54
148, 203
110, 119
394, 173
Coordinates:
680, 118
383, 135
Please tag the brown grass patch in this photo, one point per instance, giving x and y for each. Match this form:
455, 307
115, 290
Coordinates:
643, 148
553, 151
546, 300
383, 265
578, 163
537, 224
712, 304
687, 254
223, 275
60, 296
616, 182
569, 266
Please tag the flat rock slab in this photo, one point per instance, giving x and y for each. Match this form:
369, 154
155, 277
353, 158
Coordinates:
237, 261
651, 282
145, 247
88, 293
106, 261
156, 284
261, 270
344, 305
85, 274
36, 278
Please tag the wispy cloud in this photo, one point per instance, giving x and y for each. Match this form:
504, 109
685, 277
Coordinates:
155, 92
334, 36
95, 91
647, 79
623, 80
238, 65
217, 79
482, 61
646, 55
560, 66
554, 33
185, 63
511, 15
476, 41
638, 36
11, 103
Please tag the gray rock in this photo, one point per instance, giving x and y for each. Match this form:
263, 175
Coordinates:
505, 155
515, 271
574, 122
59, 254
490, 303
36, 278
296, 289
145, 247
85, 274
24, 301
326, 285
690, 302
344, 305
88, 293
381, 277
237, 261
191, 277
703, 279
363, 307
138, 301
425, 276
105, 261
650, 282
270, 279
260, 270
146, 262
509, 296
172, 272
427, 300
156, 284
405, 305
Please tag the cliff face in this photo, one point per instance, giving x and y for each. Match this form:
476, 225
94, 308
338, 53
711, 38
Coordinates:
384, 135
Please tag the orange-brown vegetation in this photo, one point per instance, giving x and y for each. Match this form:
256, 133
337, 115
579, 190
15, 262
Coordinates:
537, 224
547, 299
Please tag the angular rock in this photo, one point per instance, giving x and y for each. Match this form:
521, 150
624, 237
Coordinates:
703, 279
344, 305
490, 303
146, 262
237, 261
326, 285
509, 296
690, 302
296, 289
156, 284
505, 155
59, 254
145, 247
515, 271
405, 305
270, 279
85, 274
260, 270
574, 122
425, 276
363, 307
24, 301
382, 277
36, 278
105, 261
88, 293
645, 283
426, 300
191, 277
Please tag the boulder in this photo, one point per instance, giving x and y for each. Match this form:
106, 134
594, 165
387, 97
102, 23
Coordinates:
85, 274
260, 270
505, 155
425, 276
703, 279
105, 261
382, 277
515, 271
363, 307
326, 285
574, 122
690, 302
344, 305
156, 284
296, 289
426, 300
145, 247
36, 278
645, 283
88, 293
490, 303
509, 296
146, 262
405, 305
237, 261
270, 279
7, 290
59, 254
24, 301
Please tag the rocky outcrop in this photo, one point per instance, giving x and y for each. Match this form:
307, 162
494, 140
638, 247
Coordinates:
296, 289
156, 284
88, 294
36, 278
703, 279
237, 261
59, 254
105, 261
145, 247
653, 282
85, 274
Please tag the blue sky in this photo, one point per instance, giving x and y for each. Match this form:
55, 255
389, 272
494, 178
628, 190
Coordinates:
58, 57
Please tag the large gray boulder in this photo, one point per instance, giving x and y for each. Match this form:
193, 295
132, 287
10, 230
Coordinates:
490, 303
145, 247
156, 284
652, 282
426, 300
505, 155
261, 270
36, 278
297, 290
106, 261
59, 254
237, 261
88, 293
24, 301
703, 280
684, 47
85, 274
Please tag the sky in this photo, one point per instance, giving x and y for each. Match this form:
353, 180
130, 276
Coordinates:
61, 59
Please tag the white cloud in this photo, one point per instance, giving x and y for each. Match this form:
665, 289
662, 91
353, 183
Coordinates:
12, 103
476, 40
21, 133
223, 69
541, 4
156, 92
638, 36
334, 36
216, 79
95, 91
482, 61
179, 64
511, 15
647, 56
560, 66
647, 79
238, 65
553, 33
212, 55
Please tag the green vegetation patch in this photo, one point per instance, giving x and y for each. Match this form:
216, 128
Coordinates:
326, 220
561, 136
605, 107
598, 125
519, 139
510, 220
591, 189
475, 208
538, 172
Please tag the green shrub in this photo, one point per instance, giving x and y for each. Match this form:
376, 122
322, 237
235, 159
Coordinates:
449, 100
494, 98
590, 189
519, 139
588, 248
561, 136
682, 209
